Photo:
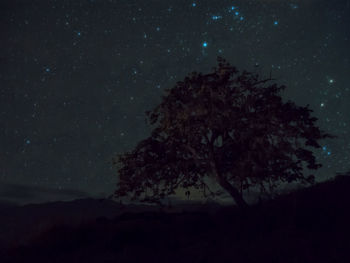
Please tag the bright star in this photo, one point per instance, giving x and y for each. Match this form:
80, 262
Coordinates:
205, 44
216, 17
194, 4
236, 13
275, 23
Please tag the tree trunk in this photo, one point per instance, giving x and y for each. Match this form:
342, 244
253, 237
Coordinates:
235, 194
237, 197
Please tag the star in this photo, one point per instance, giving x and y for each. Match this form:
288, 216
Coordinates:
216, 17
294, 6
205, 44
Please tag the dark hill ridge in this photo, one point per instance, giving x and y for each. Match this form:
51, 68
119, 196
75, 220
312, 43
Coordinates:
6, 204
309, 225
20, 223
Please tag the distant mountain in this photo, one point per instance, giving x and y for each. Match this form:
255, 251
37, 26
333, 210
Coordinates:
26, 194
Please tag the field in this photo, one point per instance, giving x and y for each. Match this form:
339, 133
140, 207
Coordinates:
309, 225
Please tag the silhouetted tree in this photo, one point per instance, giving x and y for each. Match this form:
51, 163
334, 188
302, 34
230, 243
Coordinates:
227, 125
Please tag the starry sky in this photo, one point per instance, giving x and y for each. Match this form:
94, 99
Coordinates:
77, 76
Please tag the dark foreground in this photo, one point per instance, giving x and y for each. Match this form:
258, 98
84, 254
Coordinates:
311, 225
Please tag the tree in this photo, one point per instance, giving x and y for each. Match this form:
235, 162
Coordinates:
230, 126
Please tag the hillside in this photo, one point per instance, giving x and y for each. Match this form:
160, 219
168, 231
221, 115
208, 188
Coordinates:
309, 225
21, 223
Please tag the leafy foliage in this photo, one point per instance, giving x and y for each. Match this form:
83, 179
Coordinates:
228, 125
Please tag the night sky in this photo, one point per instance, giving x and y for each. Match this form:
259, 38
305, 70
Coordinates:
77, 76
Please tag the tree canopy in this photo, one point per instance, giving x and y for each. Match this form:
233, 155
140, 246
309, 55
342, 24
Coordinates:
228, 125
